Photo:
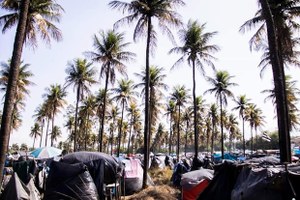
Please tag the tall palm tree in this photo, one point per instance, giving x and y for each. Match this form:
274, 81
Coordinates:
124, 93
34, 132
110, 51
221, 83
40, 15
278, 19
233, 130
55, 133
133, 113
87, 111
156, 89
55, 98
171, 109
254, 116
113, 115
144, 12
197, 50
81, 75
213, 115
242, 102
23, 79
180, 97
40, 117
292, 93
21, 92
12, 83
187, 115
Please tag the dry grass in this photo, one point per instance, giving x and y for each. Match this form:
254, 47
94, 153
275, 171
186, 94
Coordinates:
162, 190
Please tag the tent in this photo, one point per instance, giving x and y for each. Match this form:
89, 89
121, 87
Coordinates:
17, 190
70, 181
194, 182
45, 152
133, 175
103, 168
251, 181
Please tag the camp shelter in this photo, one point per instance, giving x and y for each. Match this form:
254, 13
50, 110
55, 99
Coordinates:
70, 181
133, 176
103, 168
248, 181
194, 182
17, 190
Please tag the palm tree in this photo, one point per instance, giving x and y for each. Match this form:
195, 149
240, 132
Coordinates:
144, 12
56, 132
179, 96
213, 115
27, 28
87, 111
187, 115
133, 113
110, 51
124, 94
254, 116
12, 83
233, 129
35, 131
23, 81
156, 85
242, 102
197, 51
39, 17
221, 84
113, 115
81, 76
21, 92
55, 98
40, 117
292, 92
278, 20
171, 109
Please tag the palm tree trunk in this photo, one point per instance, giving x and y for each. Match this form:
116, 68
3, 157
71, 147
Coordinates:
279, 82
54, 110
120, 130
251, 140
178, 134
129, 138
112, 139
186, 137
195, 112
12, 84
103, 111
222, 133
212, 139
146, 126
33, 142
170, 138
42, 130
244, 143
47, 129
76, 116
86, 133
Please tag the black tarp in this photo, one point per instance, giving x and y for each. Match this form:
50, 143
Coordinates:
234, 181
223, 182
104, 168
259, 184
17, 190
70, 181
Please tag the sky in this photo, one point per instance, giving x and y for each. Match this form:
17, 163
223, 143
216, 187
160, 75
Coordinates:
83, 19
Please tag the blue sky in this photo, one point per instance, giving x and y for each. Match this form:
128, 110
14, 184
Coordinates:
83, 19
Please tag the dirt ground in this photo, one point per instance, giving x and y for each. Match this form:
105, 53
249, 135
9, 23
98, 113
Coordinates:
162, 190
